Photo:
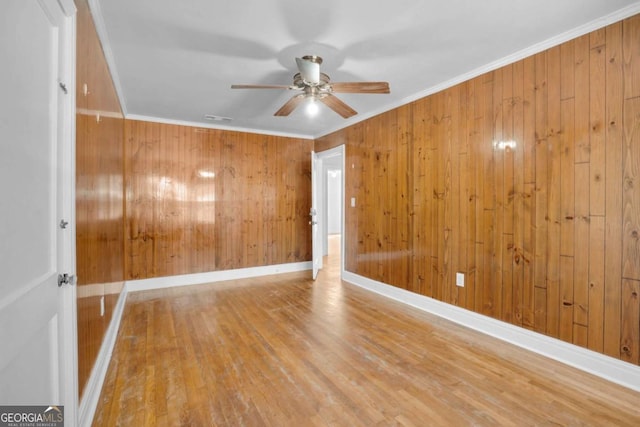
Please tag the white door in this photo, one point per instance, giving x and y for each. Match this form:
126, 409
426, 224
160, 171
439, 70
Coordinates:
316, 242
37, 333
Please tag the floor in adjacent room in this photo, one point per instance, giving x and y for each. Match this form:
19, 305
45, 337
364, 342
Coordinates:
287, 351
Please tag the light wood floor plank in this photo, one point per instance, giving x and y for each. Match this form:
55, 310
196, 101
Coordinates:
287, 351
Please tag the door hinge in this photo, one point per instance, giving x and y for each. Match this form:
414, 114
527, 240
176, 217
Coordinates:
66, 279
63, 87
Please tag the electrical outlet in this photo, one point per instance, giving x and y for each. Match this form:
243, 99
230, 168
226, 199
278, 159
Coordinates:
102, 305
460, 279
353, 202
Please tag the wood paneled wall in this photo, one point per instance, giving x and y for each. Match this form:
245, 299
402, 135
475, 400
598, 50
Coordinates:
99, 193
525, 179
203, 200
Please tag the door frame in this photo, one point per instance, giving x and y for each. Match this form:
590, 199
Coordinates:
314, 217
67, 303
321, 198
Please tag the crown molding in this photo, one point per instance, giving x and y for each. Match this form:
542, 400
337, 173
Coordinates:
215, 126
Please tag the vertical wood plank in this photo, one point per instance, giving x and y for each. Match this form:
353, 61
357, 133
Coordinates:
567, 177
580, 335
631, 191
541, 198
365, 255
213, 192
404, 201
422, 197
554, 191
598, 37
512, 128
490, 234
567, 197
565, 330
582, 97
509, 102
581, 245
614, 160
596, 283
507, 311
462, 263
469, 162
630, 329
438, 177
567, 67
597, 130
529, 97
498, 217
452, 207
479, 150
518, 253
540, 312
461, 196
154, 231
631, 56
530, 153
529, 289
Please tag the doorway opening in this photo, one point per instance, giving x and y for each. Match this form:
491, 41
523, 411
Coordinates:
333, 233
331, 214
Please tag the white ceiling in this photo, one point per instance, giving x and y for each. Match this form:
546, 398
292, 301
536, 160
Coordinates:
176, 60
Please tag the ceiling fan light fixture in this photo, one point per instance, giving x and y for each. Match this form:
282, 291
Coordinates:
312, 107
317, 86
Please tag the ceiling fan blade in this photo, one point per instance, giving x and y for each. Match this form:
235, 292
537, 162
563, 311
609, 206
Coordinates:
309, 70
360, 87
289, 106
260, 87
338, 106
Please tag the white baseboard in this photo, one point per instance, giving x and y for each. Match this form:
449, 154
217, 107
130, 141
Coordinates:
214, 276
609, 368
92, 391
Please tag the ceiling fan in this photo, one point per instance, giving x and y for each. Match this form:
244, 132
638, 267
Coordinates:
318, 86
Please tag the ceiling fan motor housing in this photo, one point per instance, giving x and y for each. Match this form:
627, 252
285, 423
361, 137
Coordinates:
313, 58
299, 81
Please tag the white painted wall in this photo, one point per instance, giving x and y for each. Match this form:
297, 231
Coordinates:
334, 197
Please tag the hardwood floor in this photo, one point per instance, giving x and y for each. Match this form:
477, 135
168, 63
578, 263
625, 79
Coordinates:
285, 351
